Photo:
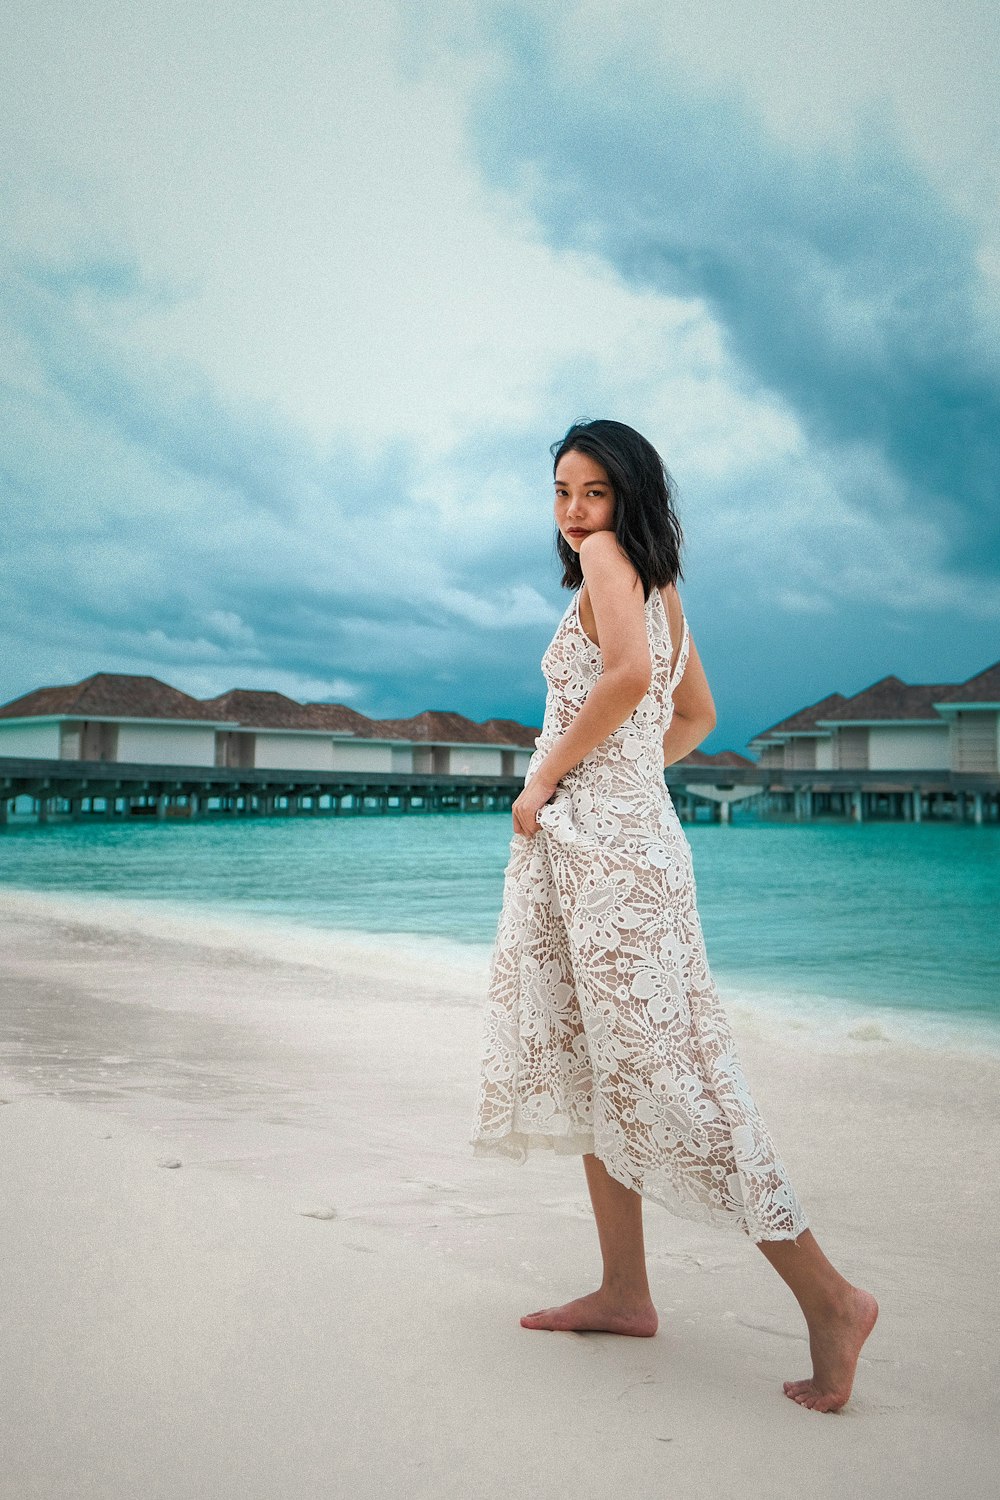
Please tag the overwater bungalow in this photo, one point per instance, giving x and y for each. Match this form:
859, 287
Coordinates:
120, 745
895, 748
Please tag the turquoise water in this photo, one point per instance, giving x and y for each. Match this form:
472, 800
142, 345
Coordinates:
882, 914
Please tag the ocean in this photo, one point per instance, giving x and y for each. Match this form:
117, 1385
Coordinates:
873, 921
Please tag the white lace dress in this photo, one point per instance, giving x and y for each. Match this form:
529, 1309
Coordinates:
604, 1031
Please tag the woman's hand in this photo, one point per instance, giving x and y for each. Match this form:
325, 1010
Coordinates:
535, 795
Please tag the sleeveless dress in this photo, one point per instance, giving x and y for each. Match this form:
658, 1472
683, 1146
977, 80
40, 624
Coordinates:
603, 1029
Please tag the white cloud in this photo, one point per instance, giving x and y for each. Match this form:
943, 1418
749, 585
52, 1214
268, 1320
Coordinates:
311, 231
512, 608
227, 624
829, 74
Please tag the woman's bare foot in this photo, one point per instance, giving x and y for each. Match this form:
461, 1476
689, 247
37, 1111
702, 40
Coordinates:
835, 1341
597, 1313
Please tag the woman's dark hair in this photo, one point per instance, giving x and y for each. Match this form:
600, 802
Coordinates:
644, 518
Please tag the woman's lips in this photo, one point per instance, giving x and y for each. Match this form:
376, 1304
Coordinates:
577, 531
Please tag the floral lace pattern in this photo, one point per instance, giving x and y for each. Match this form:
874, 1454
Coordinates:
604, 1031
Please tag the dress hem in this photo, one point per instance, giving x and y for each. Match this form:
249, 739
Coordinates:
516, 1146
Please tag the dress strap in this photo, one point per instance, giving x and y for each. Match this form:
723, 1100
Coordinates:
682, 655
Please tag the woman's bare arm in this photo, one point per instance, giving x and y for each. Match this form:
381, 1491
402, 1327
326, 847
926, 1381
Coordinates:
616, 598
694, 710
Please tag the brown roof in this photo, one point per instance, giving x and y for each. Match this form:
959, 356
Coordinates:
890, 698
258, 709
510, 732
720, 758
389, 729
437, 724
341, 720
983, 688
448, 728
805, 718
110, 694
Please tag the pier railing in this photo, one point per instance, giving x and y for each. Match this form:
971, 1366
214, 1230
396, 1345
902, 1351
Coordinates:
60, 790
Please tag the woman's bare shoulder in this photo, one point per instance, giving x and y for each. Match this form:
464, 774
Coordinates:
603, 561
602, 546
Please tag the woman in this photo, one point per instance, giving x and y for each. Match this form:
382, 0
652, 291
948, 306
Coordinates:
604, 1032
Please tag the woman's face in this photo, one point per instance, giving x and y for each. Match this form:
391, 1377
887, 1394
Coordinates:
585, 501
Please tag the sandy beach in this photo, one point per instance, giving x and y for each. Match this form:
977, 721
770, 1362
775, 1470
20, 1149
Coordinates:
249, 1253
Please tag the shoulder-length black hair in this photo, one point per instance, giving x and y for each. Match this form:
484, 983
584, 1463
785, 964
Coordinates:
644, 519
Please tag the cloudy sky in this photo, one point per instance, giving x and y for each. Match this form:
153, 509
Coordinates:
296, 296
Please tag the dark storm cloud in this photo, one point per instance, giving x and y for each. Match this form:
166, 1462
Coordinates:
841, 279
166, 410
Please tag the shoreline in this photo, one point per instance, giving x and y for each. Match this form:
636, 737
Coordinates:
202, 1329
824, 1020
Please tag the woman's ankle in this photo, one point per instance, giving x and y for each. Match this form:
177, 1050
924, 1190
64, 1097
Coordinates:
626, 1291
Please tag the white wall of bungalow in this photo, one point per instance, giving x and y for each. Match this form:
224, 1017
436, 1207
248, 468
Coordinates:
889, 745
35, 739
974, 735
805, 750
900, 745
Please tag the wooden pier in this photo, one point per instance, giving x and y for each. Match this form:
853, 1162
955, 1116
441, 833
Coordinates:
98, 790
101, 791
895, 796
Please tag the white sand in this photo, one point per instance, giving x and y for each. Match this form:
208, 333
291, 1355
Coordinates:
188, 1332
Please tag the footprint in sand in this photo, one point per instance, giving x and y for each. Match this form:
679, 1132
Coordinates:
320, 1211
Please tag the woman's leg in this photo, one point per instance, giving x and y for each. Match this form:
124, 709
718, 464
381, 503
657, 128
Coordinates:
839, 1317
622, 1303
